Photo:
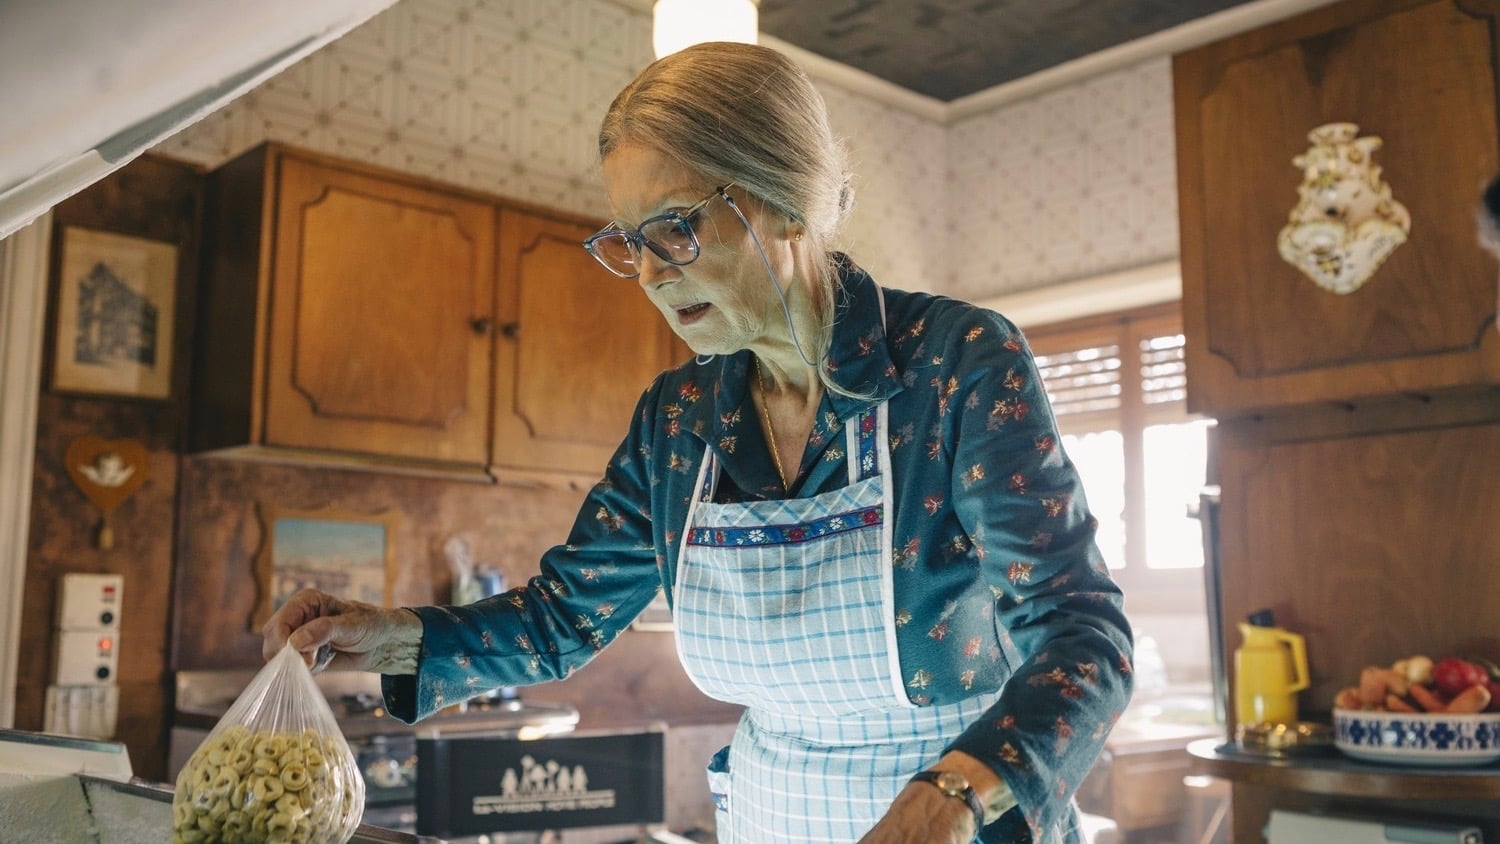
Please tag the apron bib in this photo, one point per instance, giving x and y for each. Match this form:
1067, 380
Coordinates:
787, 608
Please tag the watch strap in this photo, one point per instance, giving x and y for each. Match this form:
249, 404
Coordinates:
966, 794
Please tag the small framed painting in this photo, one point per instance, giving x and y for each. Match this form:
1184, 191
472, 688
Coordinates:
116, 309
341, 552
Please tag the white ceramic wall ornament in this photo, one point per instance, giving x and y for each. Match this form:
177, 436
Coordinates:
1346, 223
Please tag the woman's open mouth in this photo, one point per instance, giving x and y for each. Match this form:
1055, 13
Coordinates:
691, 313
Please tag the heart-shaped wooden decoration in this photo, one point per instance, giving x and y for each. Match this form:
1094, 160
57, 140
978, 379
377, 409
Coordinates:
107, 471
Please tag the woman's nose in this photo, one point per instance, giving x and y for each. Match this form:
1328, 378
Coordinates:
654, 271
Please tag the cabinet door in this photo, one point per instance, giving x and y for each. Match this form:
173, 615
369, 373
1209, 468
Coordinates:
1422, 77
577, 348
382, 293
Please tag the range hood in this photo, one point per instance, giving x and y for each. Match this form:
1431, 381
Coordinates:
88, 85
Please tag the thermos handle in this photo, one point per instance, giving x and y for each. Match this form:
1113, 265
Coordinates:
1299, 659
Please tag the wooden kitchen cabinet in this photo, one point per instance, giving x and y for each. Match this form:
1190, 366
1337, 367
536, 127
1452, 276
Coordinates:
577, 347
347, 311
1419, 74
1358, 432
359, 317
1322, 780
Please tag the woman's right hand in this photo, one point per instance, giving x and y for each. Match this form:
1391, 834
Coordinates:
364, 637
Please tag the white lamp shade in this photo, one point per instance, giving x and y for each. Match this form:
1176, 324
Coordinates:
683, 23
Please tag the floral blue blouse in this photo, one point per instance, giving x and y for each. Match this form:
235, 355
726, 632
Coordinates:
998, 581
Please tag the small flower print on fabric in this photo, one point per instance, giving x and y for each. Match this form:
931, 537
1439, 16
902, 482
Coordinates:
973, 475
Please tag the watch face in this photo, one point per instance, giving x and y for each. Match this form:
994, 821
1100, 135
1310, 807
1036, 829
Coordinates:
951, 783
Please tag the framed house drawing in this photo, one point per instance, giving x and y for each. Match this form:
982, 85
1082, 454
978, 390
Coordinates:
342, 552
116, 308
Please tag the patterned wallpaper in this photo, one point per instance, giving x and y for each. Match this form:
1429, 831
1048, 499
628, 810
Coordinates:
504, 96
1071, 183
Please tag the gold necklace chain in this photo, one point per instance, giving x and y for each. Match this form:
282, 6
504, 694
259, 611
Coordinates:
770, 433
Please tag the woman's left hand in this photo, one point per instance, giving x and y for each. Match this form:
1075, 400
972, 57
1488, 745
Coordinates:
921, 814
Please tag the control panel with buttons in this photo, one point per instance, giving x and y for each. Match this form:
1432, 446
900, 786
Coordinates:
82, 700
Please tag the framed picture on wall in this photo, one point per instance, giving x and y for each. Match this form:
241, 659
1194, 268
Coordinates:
116, 308
344, 553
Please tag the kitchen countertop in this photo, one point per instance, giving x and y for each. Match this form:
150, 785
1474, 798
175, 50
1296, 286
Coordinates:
61, 788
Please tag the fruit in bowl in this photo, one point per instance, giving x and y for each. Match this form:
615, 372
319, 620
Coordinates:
1420, 712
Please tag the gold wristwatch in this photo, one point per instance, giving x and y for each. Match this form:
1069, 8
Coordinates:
955, 785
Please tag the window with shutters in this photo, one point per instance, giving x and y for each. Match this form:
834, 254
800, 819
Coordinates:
1117, 385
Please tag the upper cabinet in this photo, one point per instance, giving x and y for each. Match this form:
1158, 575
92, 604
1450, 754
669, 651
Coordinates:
361, 317
1420, 76
577, 348
345, 311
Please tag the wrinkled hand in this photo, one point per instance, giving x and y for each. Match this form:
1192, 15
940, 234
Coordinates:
921, 814
363, 637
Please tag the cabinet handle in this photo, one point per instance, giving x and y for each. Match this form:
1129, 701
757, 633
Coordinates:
481, 325
511, 330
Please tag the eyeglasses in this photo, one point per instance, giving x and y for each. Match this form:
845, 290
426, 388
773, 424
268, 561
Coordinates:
669, 236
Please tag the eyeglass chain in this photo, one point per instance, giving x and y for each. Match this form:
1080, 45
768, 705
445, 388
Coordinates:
765, 415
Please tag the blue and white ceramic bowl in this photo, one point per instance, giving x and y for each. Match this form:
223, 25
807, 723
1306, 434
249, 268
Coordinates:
1418, 738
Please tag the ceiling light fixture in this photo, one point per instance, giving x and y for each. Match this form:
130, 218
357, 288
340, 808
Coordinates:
683, 23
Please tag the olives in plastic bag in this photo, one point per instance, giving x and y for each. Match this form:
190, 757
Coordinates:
274, 770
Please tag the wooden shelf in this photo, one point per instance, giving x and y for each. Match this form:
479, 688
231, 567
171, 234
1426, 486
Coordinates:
1327, 772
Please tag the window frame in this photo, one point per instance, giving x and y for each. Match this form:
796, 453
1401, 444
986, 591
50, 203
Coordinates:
1165, 591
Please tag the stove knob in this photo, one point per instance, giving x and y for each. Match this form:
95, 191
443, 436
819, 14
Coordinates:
385, 773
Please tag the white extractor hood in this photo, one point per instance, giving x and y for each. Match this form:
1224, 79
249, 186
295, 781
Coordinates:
88, 85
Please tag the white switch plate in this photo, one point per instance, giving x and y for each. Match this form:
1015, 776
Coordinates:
87, 657
90, 601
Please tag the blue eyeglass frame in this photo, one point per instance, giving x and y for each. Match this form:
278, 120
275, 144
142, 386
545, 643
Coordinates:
639, 242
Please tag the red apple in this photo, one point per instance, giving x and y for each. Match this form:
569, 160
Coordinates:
1452, 675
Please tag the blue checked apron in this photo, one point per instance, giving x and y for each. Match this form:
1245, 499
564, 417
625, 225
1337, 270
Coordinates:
786, 608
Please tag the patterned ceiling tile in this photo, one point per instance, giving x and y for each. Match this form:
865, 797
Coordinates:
949, 48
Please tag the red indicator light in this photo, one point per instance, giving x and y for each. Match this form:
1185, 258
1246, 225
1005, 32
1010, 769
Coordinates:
106, 643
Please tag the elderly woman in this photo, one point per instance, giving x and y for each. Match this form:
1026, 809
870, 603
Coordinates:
854, 498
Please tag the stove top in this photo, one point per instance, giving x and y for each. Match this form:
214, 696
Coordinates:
204, 696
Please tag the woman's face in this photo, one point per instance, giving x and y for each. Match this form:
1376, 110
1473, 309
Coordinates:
723, 301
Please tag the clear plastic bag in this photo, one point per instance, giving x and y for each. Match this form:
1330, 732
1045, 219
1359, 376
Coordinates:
274, 770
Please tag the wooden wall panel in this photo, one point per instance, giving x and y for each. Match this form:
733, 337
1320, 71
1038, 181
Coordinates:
637, 679
1374, 546
158, 200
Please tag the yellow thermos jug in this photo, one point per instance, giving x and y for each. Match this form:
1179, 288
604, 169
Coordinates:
1270, 667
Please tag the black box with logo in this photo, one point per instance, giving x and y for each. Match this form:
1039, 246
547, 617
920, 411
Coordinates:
474, 785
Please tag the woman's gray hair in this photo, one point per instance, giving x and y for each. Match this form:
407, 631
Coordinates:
746, 114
